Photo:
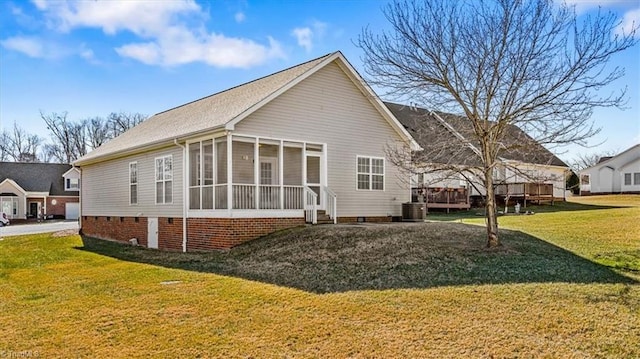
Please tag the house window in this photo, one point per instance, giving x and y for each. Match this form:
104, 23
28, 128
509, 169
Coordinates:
133, 183
164, 180
627, 179
584, 179
636, 178
370, 173
72, 184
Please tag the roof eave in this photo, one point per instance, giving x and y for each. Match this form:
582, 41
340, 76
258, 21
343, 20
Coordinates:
142, 148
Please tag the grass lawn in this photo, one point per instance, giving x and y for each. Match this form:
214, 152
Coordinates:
563, 285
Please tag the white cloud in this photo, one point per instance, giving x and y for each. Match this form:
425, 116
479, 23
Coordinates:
303, 35
630, 20
240, 17
306, 36
30, 46
172, 32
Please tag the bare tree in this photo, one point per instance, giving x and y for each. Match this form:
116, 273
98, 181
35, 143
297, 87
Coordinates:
71, 140
499, 63
18, 145
583, 161
120, 122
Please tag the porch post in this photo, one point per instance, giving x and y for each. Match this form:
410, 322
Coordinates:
304, 163
281, 172
229, 173
256, 171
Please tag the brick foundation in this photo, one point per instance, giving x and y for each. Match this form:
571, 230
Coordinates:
203, 233
223, 233
120, 229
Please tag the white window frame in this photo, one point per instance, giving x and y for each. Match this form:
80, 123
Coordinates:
636, 176
132, 183
164, 179
624, 179
370, 173
67, 184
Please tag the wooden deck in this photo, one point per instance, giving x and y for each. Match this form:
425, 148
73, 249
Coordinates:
445, 198
538, 192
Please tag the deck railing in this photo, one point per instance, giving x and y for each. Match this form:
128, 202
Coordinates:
525, 189
310, 205
331, 203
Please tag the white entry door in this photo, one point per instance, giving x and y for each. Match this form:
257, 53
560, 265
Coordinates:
152, 232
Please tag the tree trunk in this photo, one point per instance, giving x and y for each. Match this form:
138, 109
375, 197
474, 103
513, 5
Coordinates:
491, 215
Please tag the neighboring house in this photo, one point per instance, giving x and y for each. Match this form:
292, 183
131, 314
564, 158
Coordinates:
527, 170
35, 190
616, 174
303, 144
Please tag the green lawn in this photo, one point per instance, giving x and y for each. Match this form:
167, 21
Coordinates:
563, 285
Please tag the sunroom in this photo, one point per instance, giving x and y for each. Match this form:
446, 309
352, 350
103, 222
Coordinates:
249, 176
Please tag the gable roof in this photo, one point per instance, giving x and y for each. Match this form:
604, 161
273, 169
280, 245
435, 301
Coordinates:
37, 177
608, 159
441, 135
225, 109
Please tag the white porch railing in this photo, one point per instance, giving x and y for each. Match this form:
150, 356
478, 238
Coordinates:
310, 206
331, 202
269, 197
244, 196
293, 197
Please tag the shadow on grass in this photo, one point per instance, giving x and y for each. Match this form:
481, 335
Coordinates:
441, 215
340, 258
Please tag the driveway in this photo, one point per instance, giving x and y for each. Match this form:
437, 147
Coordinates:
51, 226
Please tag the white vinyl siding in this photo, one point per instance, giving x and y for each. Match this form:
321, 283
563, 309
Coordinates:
133, 183
105, 186
328, 108
370, 173
164, 180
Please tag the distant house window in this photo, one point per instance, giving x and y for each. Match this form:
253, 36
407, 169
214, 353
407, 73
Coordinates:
636, 178
370, 173
584, 179
133, 183
72, 184
627, 179
164, 180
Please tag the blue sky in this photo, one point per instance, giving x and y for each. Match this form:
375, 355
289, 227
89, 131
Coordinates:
90, 58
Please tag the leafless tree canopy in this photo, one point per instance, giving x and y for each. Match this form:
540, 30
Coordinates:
71, 140
498, 64
17, 145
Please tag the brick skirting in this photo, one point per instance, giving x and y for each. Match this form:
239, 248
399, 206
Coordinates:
203, 233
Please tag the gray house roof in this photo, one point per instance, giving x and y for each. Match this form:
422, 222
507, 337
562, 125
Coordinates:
37, 177
223, 110
438, 132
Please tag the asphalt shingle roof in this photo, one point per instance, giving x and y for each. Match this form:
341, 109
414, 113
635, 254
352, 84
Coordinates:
37, 177
204, 114
442, 146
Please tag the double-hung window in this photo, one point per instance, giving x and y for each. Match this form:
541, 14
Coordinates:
627, 179
370, 173
164, 179
636, 178
133, 183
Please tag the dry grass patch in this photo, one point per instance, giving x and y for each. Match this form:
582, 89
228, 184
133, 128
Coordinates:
366, 291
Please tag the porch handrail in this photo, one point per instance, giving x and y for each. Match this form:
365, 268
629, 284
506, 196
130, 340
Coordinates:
310, 206
331, 199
